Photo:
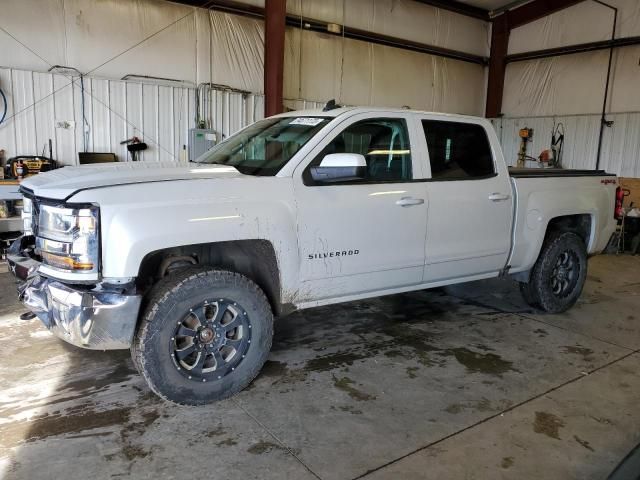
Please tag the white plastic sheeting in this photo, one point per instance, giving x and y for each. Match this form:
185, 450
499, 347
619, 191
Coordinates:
113, 38
321, 67
236, 50
303, 104
114, 110
585, 22
574, 84
406, 19
620, 148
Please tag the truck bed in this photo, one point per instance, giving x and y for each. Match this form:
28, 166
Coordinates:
555, 172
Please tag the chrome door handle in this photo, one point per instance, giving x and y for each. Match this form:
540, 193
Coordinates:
408, 201
499, 197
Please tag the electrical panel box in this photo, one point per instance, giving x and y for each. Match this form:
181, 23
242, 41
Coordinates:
200, 140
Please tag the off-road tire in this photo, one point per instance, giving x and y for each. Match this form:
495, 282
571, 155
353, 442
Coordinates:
539, 292
170, 301
529, 295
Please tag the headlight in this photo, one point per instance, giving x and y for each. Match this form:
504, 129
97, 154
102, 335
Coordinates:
27, 212
67, 238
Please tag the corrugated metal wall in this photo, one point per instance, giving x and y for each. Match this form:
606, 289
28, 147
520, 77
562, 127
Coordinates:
115, 110
620, 147
299, 104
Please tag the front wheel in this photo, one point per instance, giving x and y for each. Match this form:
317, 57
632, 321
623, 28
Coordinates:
559, 274
204, 336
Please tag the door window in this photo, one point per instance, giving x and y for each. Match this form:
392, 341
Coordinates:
458, 151
384, 143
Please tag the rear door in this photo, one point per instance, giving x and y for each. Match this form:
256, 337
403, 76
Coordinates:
360, 236
470, 210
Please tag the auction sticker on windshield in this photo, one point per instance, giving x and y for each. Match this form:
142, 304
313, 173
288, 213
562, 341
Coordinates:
310, 121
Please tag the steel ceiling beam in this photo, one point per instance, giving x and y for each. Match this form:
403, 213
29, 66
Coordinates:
237, 8
532, 11
458, 7
571, 49
379, 39
227, 6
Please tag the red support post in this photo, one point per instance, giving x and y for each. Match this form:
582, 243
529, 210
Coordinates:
502, 26
497, 65
275, 16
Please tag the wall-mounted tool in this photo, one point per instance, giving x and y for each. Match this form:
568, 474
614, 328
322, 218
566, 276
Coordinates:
557, 144
134, 145
552, 157
525, 134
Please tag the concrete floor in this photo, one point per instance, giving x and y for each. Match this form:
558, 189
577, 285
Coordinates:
466, 383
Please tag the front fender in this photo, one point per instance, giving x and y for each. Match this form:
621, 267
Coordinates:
139, 219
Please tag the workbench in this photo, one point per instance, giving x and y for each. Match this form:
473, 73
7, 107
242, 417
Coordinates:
9, 191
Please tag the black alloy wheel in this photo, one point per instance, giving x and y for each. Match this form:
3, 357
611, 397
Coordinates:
565, 274
211, 340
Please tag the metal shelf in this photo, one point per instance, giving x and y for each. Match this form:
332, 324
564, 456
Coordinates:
10, 192
11, 224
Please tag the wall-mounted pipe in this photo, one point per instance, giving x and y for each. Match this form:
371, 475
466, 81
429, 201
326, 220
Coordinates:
603, 120
135, 76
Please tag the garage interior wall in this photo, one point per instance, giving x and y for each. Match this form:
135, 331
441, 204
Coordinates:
569, 89
320, 66
111, 39
107, 41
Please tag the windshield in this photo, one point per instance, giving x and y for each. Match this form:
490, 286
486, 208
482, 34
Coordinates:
266, 146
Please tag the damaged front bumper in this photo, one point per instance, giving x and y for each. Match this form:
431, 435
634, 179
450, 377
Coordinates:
93, 318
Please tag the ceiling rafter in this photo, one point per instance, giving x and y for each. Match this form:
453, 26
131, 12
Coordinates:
231, 6
458, 7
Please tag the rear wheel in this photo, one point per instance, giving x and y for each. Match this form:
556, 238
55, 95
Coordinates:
559, 274
204, 336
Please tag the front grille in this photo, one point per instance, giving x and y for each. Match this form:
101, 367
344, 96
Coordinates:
35, 215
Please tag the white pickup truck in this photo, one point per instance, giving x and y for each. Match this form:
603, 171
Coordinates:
187, 264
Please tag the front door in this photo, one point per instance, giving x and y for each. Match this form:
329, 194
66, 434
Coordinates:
363, 235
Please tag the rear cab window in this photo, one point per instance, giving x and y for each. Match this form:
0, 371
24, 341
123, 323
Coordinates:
458, 150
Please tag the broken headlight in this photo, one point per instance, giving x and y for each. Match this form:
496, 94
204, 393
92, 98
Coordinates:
68, 239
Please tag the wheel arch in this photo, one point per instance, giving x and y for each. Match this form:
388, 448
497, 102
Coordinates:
582, 224
256, 259
579, 223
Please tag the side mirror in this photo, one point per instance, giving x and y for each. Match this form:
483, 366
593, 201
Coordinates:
340, 167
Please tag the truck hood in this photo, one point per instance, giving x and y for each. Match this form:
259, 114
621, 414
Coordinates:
63, 183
